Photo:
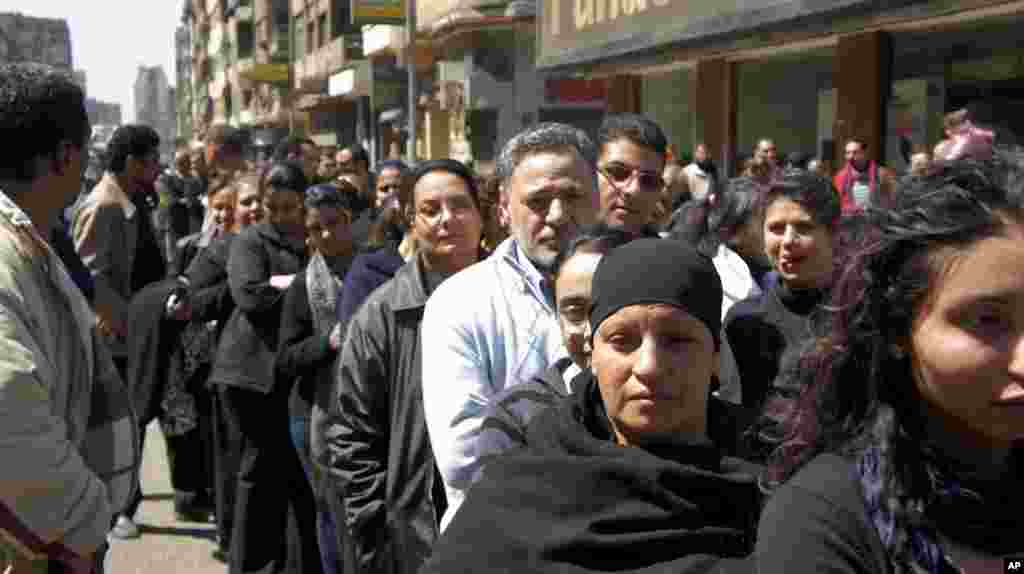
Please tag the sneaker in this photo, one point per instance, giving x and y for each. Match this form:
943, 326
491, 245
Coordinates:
125, 528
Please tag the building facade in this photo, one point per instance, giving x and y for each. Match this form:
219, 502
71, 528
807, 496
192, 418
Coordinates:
103, 113
807, 75
43, 40
155, 107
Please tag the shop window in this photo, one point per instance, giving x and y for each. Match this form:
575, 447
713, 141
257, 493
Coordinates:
321, 30
246, 39
299, 36
340, 18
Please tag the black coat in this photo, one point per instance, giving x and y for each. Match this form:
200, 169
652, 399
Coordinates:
152, 339
209, 292
248, 346
303, 355
379, 457
574, 501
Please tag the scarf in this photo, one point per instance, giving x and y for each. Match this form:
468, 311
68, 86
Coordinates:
848, 176
323, 287
983, 514
575, 501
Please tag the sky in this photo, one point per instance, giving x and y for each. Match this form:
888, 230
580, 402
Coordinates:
111, 38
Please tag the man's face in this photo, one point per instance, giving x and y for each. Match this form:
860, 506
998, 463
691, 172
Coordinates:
328, 168
855, 154
701, 153
766, 152
182, 163
389, 185
143, 170
630, 178
346, 165
548, 196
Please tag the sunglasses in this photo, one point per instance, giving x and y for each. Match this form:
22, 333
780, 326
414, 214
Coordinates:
621, 175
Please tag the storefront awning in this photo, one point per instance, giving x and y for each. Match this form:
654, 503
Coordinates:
266, 73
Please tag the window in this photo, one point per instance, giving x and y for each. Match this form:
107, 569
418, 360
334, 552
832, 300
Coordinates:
299, 36
321, 30
311, 35
246, 39
340, 18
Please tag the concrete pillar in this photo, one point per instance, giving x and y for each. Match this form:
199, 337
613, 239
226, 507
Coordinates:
436, 135
714, 102
625, 94
862, 82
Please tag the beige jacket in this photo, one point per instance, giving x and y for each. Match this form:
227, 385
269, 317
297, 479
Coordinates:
105, 233
68, 443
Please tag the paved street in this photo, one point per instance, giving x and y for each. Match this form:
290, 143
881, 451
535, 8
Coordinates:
166, 545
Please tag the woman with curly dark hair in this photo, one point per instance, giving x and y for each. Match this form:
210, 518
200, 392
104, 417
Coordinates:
905, 450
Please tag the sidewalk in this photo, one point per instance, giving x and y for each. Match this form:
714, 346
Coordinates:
166, 545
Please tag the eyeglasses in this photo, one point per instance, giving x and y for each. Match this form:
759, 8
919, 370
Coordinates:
621, 175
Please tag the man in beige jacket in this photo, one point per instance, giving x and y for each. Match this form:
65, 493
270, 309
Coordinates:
68, 439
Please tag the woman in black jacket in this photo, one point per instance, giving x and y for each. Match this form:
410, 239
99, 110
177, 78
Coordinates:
209, 299
621, 475
380, 460
263, 262
906, 452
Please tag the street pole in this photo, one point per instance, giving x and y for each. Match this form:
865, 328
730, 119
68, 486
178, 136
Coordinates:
410, 24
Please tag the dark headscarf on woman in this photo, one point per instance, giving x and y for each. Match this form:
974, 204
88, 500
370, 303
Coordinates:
575, 501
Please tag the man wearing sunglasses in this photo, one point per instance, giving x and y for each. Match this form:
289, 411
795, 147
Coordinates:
632, 152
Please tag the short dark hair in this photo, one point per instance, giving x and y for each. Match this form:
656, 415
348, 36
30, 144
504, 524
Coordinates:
359, 154
134, 140
285, 176
811, 191
451, 166
40, 107
223, 135
636, 128
391, 164
598, 239
291, 145
329, 195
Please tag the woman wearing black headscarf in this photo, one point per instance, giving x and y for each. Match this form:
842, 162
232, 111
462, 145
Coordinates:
621, 476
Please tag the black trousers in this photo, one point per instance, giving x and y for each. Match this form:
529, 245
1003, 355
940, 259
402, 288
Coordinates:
271, 483
228, 446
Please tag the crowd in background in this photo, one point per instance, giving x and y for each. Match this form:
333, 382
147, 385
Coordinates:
597, 358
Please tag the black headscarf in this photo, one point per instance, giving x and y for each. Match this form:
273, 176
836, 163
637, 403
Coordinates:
649, 271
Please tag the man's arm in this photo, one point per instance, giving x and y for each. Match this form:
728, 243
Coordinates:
49, 490
456, 391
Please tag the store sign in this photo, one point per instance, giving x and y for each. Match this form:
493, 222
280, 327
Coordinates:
580, 31
352, 82
369, 12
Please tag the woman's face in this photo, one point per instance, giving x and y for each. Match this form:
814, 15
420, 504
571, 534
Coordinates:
222, 209
800, 248
967, 343
249, 208
285, 212
328, 230
447, 223
653, 365
572, 294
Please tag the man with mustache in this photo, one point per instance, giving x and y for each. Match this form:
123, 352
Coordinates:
494, 324
863, 182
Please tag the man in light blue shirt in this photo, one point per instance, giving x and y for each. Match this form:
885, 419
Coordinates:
494, 325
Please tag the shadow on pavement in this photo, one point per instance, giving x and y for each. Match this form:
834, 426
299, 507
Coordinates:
206, 533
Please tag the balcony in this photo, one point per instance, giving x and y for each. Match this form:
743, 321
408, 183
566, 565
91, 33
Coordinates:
320, 64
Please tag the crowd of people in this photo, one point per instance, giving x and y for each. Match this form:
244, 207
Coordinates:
598, 358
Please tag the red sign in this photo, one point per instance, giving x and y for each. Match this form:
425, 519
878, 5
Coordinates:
575, 90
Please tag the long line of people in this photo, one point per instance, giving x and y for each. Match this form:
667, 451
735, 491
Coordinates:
774, 373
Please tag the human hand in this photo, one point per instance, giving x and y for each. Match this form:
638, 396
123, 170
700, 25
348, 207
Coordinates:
335, 337
281, 282
178, 309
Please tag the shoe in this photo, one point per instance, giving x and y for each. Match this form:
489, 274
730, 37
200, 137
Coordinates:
191, 514
124, 529
220, 555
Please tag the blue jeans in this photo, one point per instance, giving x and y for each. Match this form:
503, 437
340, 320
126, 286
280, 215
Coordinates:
300, 438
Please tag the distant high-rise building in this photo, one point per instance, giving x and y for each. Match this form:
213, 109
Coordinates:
28, 39
155, 106
81, 79
103, 113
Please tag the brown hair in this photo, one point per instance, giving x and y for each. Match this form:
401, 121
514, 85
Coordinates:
953, 120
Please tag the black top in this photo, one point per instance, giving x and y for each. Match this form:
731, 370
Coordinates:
575, 501
817, 522
209, 292
247, 350
762, 328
